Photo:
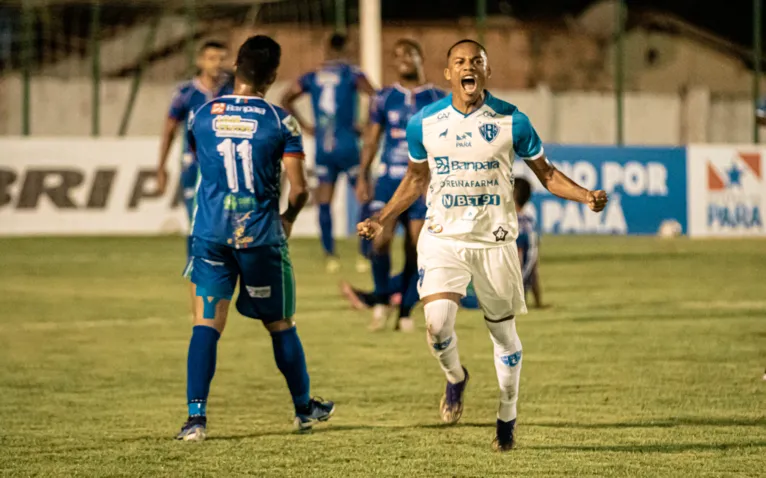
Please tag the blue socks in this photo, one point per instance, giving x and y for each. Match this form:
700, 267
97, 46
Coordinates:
200, 367
288, 353
325, 226
381, 268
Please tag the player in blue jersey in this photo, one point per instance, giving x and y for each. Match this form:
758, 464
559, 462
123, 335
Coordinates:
333, 89
241, 142
211, 81
390, 111
528, 241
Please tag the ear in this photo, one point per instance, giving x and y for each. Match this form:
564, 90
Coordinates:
489, 72
447, 74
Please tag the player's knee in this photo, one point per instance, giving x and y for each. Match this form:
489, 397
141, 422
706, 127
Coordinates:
506, 340
279, 325
440, 319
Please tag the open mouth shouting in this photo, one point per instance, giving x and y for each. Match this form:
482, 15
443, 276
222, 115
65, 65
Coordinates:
469, 84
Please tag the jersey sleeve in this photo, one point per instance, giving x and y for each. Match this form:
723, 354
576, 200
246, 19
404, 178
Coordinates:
291, 131
179, 105
377, 109
417, 151
526, 143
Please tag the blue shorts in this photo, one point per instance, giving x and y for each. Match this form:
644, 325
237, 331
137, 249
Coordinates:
384, 191
189, 173
265, 273
345, 159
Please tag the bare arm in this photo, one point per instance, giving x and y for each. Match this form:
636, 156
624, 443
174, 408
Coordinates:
299, 193
411, 188
372, 134
363, 85
166, 141
288, 99
560, 185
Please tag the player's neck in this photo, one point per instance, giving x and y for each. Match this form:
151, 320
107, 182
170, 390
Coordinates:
412, 83
208, 82
469, 106
243, 89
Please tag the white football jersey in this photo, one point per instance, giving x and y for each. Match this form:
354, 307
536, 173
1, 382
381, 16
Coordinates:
470, 196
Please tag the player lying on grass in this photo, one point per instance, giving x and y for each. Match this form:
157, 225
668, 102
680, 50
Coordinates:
463, 148
241, 141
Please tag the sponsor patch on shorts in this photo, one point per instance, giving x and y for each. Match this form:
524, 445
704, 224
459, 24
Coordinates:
259, 292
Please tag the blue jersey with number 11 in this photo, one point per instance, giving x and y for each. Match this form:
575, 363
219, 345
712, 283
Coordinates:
239, 142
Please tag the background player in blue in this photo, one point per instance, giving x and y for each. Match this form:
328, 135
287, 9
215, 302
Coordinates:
390, 111
528, 241
241, 142
210, 82
334, 91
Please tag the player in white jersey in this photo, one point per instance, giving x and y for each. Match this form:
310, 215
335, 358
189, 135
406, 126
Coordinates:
466, 144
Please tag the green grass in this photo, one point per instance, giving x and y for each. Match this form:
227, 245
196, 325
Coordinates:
649, 364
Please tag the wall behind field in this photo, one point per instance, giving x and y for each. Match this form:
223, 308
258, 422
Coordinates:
63, 107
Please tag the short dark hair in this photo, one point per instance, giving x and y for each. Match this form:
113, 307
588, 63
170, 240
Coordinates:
258, 60
409, 43
466, 40
338, 41
522, 190
212, 44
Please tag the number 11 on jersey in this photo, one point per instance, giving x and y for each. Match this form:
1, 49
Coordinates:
230, 152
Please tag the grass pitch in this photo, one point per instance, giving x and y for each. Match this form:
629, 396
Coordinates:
649, 363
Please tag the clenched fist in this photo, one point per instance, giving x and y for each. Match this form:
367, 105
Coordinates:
597, 200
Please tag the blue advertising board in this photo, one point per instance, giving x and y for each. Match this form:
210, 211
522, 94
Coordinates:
646, 186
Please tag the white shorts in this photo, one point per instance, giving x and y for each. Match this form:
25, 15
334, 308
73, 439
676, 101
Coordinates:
445, 265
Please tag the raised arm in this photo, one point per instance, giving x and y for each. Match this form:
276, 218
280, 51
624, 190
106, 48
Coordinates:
527, 146
292, 94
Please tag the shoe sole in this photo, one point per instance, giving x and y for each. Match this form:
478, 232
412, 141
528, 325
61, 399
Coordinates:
198, 434
306, 426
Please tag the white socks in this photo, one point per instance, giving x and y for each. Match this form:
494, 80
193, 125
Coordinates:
440, 320
507, 364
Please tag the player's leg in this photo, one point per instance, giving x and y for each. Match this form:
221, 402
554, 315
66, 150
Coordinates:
327, 174
213, 273
365, 299
267, 292
409, 285
499, 288
442, 281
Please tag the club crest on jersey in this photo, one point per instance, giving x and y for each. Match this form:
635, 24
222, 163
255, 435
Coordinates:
489, 131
